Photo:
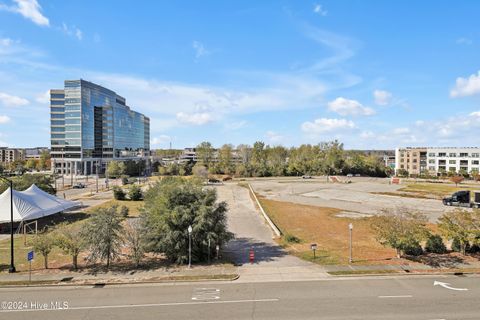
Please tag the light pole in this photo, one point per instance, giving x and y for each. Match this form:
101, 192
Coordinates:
350, 228
12, 264
189, 246
97, 175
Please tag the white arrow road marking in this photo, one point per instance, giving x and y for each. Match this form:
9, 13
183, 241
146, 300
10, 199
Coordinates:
447, 286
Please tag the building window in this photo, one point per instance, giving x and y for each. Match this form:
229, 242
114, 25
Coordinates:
453, 155
464, 155
431, 168
475, 162
475, 155
431, 161
452, 161
442, 154
431, 154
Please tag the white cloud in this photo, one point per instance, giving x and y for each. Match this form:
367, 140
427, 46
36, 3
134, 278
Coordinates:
161, 140
318, 9
197, 118
29, 9
12, 101
43, 98
200, 49
382, 97
4, 119
72, 31
465, 41
466, 86
346, 107
367, 135
236, 125
273, 137
323, 125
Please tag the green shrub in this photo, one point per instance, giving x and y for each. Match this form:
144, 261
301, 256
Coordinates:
290, 238
414, 249
457, 247
435, 244
124, 211
118, 193
135, 193
125, 179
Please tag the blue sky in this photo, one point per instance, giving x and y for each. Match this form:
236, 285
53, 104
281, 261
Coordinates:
373, 74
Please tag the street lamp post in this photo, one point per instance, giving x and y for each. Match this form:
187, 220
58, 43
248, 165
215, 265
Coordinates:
97, 166
12, 264
350, 228
189, 246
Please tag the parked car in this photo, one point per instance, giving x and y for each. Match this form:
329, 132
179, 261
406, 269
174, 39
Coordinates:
307, 177
79, 186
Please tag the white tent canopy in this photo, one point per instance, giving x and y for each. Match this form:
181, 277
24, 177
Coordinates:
31, 204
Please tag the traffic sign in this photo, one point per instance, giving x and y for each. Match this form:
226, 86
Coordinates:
30, 256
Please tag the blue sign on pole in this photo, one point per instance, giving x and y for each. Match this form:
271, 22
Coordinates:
30, 256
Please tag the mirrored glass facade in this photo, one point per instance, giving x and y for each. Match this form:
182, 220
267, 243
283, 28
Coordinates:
89, 121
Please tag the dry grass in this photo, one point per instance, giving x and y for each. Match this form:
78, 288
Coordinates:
133, 206
320, 225
436, 190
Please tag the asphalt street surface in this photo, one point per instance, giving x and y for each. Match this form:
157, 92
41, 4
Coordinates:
354, 298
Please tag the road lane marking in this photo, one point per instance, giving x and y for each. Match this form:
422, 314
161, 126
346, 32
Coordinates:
171, 304
206, 294
403, 296
447, 286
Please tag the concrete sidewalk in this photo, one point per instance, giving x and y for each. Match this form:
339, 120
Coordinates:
183, 273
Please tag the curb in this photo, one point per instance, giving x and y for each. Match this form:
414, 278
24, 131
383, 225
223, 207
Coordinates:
270, 222
57, 283
400, 273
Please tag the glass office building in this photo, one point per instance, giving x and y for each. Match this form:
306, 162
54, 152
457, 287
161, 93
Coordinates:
91, 125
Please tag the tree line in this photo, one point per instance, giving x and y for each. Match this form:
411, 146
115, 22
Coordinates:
261, 160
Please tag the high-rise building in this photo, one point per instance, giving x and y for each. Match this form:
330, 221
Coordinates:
91, 125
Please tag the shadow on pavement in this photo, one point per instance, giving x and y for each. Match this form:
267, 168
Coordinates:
238, 251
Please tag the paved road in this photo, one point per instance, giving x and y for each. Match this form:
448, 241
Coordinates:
383, 298
252, 232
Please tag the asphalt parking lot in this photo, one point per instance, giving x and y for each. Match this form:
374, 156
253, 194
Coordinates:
355, 199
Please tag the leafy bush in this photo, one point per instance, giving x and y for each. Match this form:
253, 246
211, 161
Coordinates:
413, 249
135, 193
435, 244
124, 211
290, 238
456, 245
118, 193
125, 180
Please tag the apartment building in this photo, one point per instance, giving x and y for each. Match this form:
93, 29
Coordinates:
8, 155
437, 160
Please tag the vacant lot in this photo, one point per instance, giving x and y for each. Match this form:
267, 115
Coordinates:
362, 197
321, 226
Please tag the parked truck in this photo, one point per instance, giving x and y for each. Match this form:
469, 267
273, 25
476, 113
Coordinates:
463, 199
